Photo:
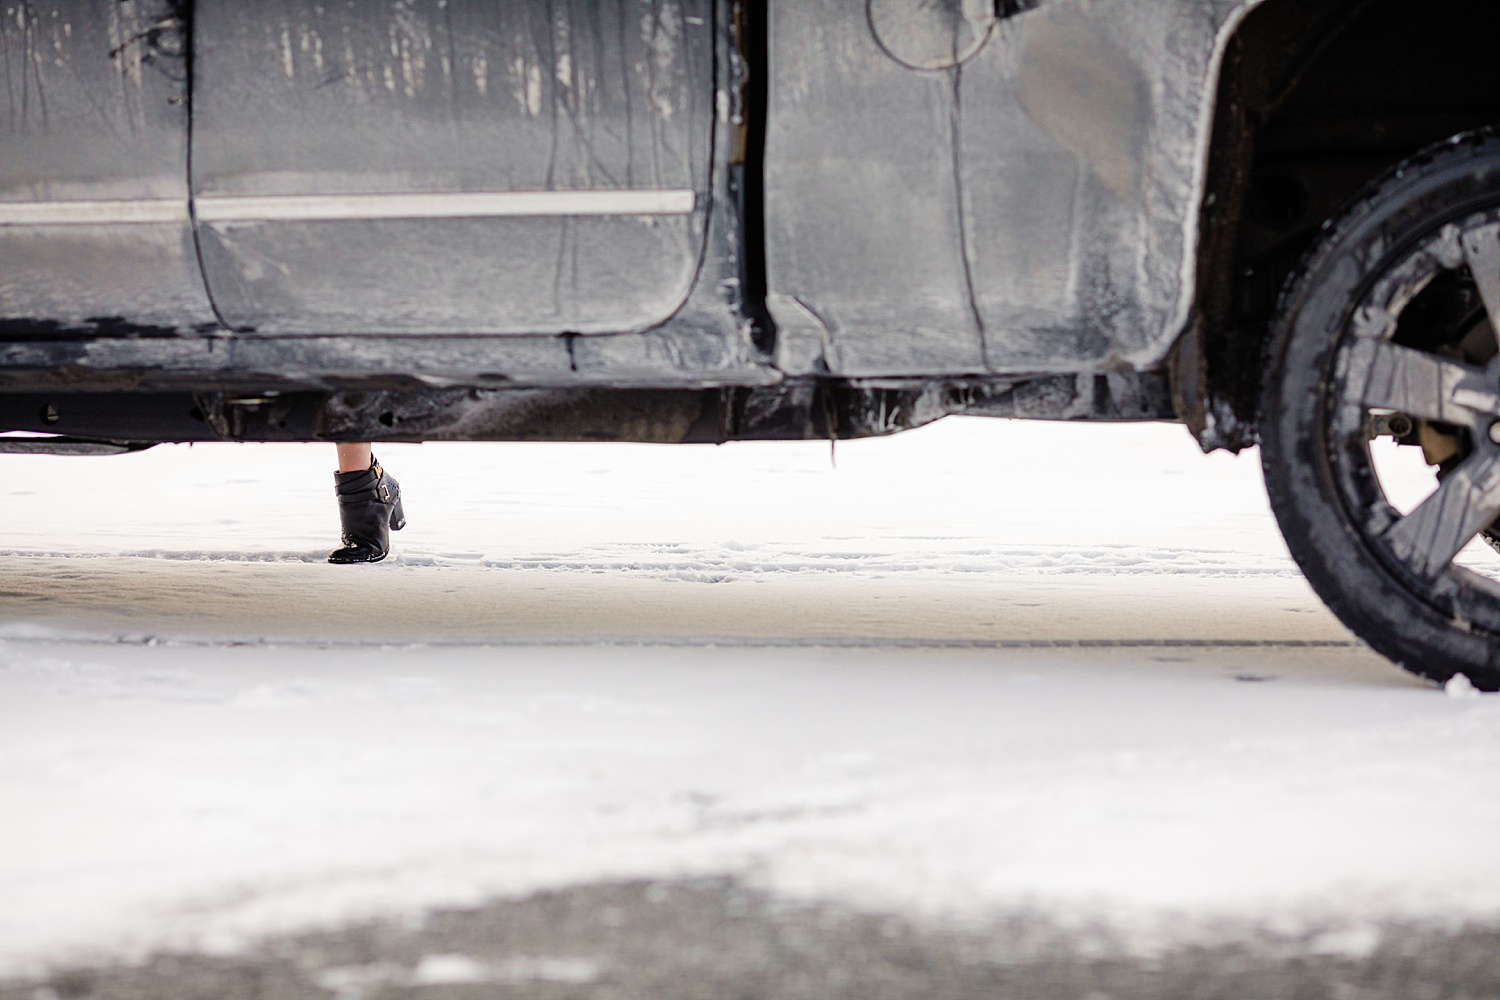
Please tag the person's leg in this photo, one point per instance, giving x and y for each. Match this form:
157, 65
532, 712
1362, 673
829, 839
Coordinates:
369, 506
355, 457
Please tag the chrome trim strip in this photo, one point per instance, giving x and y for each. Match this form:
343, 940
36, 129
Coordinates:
319, 208
316, 208
94, 213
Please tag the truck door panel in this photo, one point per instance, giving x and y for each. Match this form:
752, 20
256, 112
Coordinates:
864, 238
94, 225
950, 190
420, 166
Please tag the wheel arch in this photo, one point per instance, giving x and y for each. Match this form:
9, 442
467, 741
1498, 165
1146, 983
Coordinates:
1315, 99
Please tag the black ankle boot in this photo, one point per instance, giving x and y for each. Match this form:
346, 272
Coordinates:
369, 510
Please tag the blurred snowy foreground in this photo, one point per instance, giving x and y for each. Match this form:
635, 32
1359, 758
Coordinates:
982, 668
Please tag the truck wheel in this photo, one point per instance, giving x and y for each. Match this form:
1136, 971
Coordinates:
1385, 355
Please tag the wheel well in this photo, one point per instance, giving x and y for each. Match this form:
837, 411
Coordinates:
1315, 100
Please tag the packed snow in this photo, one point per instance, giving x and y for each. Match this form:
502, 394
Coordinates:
968, 529
982, 667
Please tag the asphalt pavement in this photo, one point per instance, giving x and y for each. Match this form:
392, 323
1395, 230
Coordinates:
712, 940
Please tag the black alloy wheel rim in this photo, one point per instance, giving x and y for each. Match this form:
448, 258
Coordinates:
1419, 356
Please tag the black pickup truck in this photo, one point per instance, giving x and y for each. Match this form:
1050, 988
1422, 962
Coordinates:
1275, 221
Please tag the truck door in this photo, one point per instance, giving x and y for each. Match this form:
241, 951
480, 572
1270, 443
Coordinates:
94, 230
451, 166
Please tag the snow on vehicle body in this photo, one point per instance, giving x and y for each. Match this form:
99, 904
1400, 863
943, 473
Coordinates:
708, 220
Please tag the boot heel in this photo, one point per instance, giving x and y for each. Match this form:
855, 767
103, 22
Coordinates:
398, 516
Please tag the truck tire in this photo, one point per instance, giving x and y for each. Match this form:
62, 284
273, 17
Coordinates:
1389, 329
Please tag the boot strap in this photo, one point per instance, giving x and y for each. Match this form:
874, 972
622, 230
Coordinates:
380, 494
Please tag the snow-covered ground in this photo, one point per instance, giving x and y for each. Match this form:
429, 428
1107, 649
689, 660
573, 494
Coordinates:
967, 529
980, 667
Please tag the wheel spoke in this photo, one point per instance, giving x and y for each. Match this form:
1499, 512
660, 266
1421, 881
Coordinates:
1420, 384
1482, 253
1466, 503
